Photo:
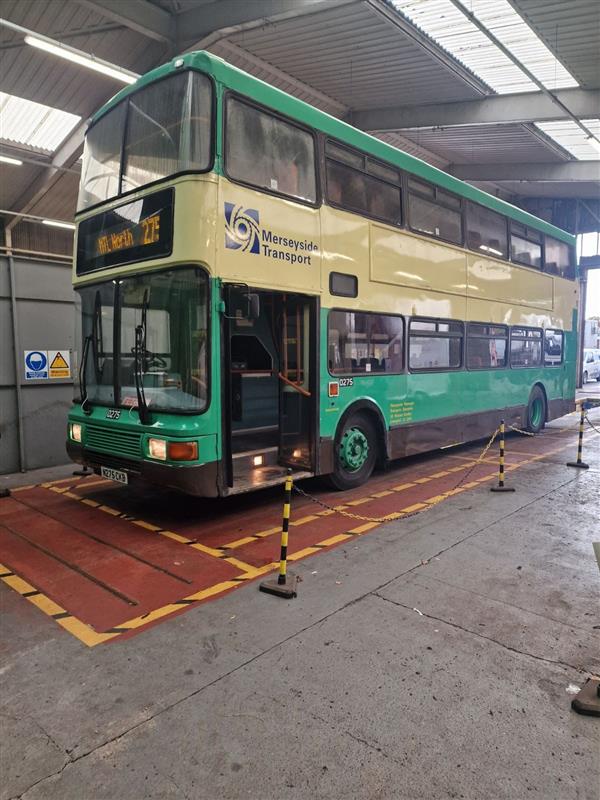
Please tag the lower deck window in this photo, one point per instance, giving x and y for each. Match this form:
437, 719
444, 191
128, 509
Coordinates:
361, 343
553, 348
525, 347
486, 346
435, 345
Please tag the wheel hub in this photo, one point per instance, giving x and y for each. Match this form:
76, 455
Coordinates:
354, 449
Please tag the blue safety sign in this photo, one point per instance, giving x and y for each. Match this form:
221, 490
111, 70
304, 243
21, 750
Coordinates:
36, 365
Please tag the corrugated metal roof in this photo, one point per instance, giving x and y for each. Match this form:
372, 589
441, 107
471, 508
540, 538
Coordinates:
33, 124
38, 76
570, 136
357, 56
571, 29
484, 144
455, 32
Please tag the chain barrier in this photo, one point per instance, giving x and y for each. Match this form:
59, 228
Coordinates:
591, 424
398, 514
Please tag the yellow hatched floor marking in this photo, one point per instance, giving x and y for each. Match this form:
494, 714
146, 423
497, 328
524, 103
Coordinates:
235, 562
440, 474
437, 499
268, 532
303, 520
402, 486
45, 604
423, 480
148, 525
22, 488
359, 502
340, 537
414, 507
107, 509
239, 542
368, 526
89, 502
307, 551
203, 548
18, 584
384, 493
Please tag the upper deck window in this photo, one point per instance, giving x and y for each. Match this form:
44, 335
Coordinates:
362, 185
525, 245
269, 153
557, 258
486, 231
433, 211
161, 130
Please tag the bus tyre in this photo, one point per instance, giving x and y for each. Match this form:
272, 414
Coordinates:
536, 410
585, 377
355, 452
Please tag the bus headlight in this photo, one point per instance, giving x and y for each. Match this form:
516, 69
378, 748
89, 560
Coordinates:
158, 449
76, 430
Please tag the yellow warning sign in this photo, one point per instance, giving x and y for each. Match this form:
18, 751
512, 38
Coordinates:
59, 363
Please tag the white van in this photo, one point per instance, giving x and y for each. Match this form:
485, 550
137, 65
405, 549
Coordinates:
591, 365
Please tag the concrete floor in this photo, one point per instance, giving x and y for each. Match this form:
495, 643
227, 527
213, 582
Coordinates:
429, 659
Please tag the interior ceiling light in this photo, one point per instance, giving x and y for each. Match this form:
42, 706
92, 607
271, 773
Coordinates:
82, 59
7, 160
570, 136
55, 223
34, 124
449, 27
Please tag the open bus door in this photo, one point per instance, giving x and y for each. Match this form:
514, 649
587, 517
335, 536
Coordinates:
297, 381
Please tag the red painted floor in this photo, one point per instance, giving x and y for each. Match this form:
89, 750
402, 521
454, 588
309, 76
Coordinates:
108, 554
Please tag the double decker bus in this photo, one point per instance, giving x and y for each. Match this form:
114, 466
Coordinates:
262, 286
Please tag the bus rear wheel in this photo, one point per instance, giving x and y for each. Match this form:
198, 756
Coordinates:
355, 452
536, 410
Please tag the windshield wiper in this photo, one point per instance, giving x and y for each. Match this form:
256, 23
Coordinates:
139, 353
85, 403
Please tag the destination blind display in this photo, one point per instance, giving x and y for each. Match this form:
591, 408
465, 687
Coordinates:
135, 231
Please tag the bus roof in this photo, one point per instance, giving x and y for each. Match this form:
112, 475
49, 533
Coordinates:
245, 84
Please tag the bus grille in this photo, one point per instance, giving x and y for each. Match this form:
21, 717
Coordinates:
116, 442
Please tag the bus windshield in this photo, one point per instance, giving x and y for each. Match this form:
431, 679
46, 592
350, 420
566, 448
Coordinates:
145, 341
160, 130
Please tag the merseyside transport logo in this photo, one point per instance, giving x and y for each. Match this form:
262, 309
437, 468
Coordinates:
244, 232
241, 228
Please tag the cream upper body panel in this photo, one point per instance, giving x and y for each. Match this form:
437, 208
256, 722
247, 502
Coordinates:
242, 235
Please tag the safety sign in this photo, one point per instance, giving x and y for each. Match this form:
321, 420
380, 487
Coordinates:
36, 365
60, 363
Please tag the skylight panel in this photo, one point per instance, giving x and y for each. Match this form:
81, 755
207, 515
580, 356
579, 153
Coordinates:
501, 19
34, 124
449, 27
573, 139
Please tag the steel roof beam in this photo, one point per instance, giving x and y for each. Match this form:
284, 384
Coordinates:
195, 25
139, 15
498, 109
65, 156
565, 172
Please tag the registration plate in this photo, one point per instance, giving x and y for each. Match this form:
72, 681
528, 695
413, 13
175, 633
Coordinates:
114, 475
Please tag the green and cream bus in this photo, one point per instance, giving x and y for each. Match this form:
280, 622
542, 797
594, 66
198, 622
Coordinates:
262, 286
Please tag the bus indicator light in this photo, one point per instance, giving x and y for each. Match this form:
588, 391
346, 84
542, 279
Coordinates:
334, 389
183, 451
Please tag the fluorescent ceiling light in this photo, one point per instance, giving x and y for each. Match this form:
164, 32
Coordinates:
55, 223
449, 27
573, 139
83, 60
6, 160
34, 124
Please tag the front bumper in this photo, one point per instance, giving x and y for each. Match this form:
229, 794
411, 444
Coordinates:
201, 480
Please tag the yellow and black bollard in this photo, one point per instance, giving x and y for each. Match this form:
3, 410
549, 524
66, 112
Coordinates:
580, 463
285, 585
501, 487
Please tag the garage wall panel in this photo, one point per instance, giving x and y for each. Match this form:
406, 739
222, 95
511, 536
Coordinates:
45, 321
